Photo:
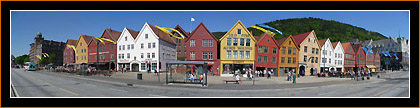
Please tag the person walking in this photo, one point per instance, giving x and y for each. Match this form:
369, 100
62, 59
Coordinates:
268, 74
289, 76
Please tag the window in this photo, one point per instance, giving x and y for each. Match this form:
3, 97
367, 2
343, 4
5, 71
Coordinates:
204, 43
142, 55
148, 55
122, 56
204, 55
304, 58
192, 43
119, 56
273, 60
201, 34
324, 52
268, 40
210, 43
289, 60
110, 46
283, 50
80, 43
317, 51
294, 60
153, 45
247, 54
335, 55
235, 41
259, 59
89, 51
119, 47
294, 51
143, 66
126, 38
123, 47
265, 49
210, 55
290, 42
149, 45
153, 55
260, 48
329, 61
282, 59
305, 49
265, 59
312, 59
146, 36
239, 31
241, 54
274, 50
228, 54
128, 47
248, 42
324, 60
141, 45
313, 50
235, 54
111, 56
289, 50
229, 41
316, 59
242, 43
132, 46
192, 55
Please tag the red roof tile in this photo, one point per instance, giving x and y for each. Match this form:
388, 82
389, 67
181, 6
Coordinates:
133, 33
114, 34
334, 44
300, 37
71, 42
322, 42
87, 38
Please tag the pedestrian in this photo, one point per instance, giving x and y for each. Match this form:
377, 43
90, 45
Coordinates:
237, 78
156, 72
268, 74
265, 72
358, 75
249, 74
289, 76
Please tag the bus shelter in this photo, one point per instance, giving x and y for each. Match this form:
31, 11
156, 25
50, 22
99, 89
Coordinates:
187, 72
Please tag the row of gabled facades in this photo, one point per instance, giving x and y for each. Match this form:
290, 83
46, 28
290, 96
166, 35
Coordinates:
237, 51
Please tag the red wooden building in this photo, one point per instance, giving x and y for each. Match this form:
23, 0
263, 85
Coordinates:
107, 52
201, 45
266, 53
349, 57
181, 51
360, 57
377, 61
68, 52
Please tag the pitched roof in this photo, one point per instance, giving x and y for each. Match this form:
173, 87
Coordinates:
71, 42
133, 33
300, 37
346, 45
114, 34
179, 28
356, 46
162, 35
282, 40
258, 38
334, 44
322, 42
87, 38
201, 24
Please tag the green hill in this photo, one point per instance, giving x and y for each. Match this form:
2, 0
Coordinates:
334, 30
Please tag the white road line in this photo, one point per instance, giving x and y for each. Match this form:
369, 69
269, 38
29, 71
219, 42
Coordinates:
157, 95
117, 90
14, 90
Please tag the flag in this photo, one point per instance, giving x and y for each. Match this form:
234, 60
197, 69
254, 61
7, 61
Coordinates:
367, 52
371, 51
182, 36
264, 30
388, 54
166, 31
38, 56
71, 46
109, 40
396, 57
100, 40
192, 19
262, 25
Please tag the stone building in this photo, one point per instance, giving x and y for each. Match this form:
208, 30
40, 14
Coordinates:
46, 46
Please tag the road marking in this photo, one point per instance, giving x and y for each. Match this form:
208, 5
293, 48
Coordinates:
67, 91
157, 95
382, 92
118, 90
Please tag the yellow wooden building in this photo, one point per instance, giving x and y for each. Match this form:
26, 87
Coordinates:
81, 54
288, 56
237, 50
310, 53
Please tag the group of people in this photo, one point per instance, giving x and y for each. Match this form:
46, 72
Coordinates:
358, 74
263, 73
290, 75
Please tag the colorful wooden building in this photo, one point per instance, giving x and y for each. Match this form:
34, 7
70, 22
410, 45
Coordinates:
288, 55
107, 51
181, 45
82, 48
360, 57
202, 46
68, 52
309, 54
266, 53
237, 48
349, 57
338, 56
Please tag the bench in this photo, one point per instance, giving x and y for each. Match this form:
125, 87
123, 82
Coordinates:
237, 81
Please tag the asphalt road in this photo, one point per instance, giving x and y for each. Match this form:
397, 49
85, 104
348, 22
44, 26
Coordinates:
44, 84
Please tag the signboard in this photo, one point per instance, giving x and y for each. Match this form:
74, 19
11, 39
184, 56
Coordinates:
237, 48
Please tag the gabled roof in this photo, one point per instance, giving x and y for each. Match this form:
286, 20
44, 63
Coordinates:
86, 38
334, 44
240, 24
282, 40
177, 27
196, 28
71, 42
347, 45
133, 33
300, 37
113, 34
162, 35
259, 38
322, 42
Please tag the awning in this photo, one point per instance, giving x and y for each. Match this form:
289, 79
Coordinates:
370, 66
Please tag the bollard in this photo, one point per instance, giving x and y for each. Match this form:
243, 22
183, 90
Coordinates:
294, 78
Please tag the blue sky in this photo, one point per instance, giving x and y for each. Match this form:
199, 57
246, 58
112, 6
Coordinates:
63, 25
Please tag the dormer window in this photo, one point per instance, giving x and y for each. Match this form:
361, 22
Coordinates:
146, 36
239, 31
126, 38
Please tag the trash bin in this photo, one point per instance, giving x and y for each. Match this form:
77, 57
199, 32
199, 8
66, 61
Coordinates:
139, 76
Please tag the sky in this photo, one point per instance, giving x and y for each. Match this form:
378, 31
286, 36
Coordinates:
63, 25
